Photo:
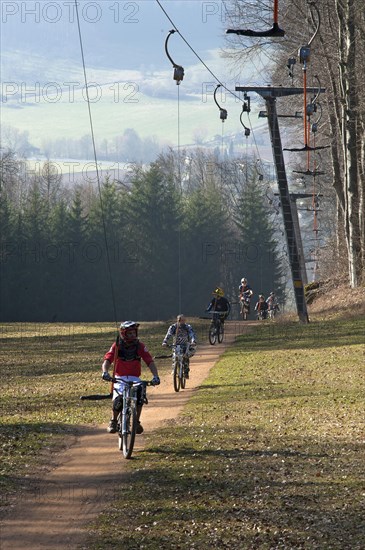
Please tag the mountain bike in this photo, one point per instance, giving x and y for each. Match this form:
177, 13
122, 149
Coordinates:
180, 366
245, 303
216, 329
261, 314
273, 311
127, 416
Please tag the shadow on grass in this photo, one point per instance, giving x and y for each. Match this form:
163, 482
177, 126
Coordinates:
186, 452
277, 498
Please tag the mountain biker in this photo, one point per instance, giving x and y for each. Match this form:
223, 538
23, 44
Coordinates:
185, 337
219, 304
261, 307
245, 294
272, 303
125, 355
245, 287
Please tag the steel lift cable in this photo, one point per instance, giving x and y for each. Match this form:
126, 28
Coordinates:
178, 77
96, 167
196, 54
223, 114
203, 63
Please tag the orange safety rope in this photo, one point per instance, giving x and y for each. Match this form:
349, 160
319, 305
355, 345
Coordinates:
276, 10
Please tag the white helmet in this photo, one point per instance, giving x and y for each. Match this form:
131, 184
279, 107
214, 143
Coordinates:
243, 280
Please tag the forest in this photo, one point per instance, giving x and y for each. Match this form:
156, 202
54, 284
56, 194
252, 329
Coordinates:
191, 220
332, 32
146, 250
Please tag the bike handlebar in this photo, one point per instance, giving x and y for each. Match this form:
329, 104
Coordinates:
131, 383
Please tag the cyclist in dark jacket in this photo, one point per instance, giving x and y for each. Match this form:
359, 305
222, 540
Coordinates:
219, 304
245, 288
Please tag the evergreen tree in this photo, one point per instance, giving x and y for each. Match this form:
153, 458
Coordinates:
256, 241
153, 207
8, 253
78, 255
110, 271
206, 241
32, 242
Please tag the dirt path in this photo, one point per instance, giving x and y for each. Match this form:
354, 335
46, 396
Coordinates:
59, 506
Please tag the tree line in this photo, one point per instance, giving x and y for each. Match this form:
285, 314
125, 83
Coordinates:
148, 250
335, 30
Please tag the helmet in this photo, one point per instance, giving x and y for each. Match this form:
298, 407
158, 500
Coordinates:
129, 330
243, 280
219, 292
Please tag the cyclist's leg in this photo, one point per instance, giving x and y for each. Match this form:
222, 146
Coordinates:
139, 406
117, 406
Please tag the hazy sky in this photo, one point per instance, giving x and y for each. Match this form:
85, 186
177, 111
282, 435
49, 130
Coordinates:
123, 44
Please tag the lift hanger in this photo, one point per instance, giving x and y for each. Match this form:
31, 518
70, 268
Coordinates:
178, 69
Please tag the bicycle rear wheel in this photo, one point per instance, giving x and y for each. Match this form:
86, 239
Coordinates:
176, 375
220, 333
212, 334
129, 423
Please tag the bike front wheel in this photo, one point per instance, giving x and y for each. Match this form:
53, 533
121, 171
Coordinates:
176, 375
245, 312
128, 431
220, 333
212, 335
182, 376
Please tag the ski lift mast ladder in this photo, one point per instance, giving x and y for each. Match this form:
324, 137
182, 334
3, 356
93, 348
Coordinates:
295, 251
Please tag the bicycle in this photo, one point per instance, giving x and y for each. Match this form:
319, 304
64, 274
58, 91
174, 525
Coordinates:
216, 329
245, 305
127, 416
261, 314
180, 366
273, 311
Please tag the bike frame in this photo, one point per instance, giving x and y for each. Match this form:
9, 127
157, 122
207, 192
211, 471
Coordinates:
178, 357
127, 418
216, 328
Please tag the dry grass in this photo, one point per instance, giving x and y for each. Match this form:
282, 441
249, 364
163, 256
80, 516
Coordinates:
337, 299
269, 454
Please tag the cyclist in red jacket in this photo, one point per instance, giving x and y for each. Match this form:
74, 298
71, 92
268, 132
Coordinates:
126, 355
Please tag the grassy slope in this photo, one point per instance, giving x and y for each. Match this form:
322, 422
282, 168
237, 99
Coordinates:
269, 454
45, 368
